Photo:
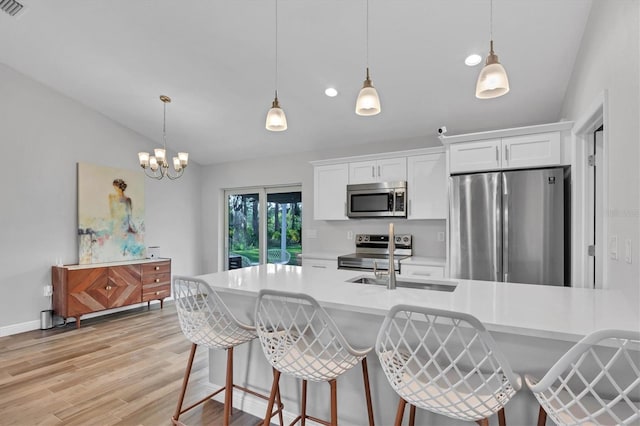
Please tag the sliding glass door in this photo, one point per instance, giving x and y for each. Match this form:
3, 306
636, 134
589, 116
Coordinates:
263, 225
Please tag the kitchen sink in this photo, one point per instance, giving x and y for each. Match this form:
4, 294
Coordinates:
435, 285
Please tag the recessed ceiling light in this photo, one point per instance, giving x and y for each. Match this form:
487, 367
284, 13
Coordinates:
473, 60
331, 92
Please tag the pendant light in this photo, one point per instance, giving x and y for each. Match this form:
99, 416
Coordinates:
368, 102
276, 120
492, 81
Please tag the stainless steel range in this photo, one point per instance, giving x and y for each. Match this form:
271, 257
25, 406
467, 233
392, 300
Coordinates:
372, 248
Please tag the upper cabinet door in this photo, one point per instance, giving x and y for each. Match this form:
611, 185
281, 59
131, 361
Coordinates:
427, 187
363, 172
542, 149
475, 156
330, 192
390, 169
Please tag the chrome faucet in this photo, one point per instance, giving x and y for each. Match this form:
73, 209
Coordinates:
391, 271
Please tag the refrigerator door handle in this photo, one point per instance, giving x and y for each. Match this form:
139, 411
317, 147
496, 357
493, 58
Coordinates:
505, 229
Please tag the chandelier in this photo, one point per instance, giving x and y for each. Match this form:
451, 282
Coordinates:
156, 166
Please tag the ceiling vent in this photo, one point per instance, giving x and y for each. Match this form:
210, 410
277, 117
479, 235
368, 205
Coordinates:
12, 7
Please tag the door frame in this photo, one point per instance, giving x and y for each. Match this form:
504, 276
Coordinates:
262, 192
582, 204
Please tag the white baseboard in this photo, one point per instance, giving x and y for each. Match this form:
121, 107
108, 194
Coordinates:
23, 327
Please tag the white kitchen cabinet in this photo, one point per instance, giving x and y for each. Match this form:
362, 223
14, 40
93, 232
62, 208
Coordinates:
383, 170
542, 149
320, 263
427, 186
475, 156
421, 271
330, 191
515, 152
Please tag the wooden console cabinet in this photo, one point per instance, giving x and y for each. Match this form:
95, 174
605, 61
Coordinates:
83, 289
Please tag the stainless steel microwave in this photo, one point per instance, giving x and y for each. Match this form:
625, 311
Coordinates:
383, 199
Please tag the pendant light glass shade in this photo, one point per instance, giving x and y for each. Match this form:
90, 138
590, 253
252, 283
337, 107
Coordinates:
368, 102
276, 120
492, 81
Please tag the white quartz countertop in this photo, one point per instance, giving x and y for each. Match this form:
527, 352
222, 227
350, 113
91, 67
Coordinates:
532, 310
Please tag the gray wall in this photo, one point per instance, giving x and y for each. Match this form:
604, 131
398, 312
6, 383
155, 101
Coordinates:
609, 59
295, 169
44, 136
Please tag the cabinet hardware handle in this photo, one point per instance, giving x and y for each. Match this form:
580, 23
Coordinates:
157, 268
497, 154
378, 171
108, 287
373, 171
157, 293
157, 280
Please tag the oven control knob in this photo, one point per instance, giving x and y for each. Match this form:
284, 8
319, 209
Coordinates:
366, 238
405, 239
359, 238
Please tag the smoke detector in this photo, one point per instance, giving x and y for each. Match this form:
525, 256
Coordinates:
12, 7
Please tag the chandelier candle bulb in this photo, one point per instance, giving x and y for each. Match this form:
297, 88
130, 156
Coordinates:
184, 158
176, 164
153, 163
160, 155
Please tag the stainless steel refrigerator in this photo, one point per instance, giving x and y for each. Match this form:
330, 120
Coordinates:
508, 226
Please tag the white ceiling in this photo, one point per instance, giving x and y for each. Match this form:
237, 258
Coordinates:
215, 58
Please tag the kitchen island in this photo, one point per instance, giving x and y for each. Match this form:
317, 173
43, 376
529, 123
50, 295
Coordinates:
534, 325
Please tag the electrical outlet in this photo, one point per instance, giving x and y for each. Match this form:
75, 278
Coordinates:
627, 250
349, 235
441, 236
47, 291
613, 247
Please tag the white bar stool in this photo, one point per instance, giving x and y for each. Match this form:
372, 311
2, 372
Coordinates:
205, 320
299, 338
597, 382
444, 362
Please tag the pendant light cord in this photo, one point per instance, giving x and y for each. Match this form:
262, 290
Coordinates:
276, 37
490, 19
164, 125
367, 33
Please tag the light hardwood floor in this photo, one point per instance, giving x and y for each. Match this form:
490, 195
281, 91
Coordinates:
120, 369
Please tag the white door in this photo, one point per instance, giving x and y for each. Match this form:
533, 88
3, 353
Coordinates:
392, 169
330, 192
542, 149
475, 156
363, 172
427, 186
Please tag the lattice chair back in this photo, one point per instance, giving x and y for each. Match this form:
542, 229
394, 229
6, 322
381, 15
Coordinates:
278, 256
204, 317
445, 362
597, 382
299, 338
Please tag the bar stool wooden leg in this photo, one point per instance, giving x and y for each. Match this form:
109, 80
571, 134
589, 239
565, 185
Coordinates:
279, 402
228, 389
334, 402
502, 421
303, 411
367, 390
542, 417
412, 415
400, 412
272, 397
185, 382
